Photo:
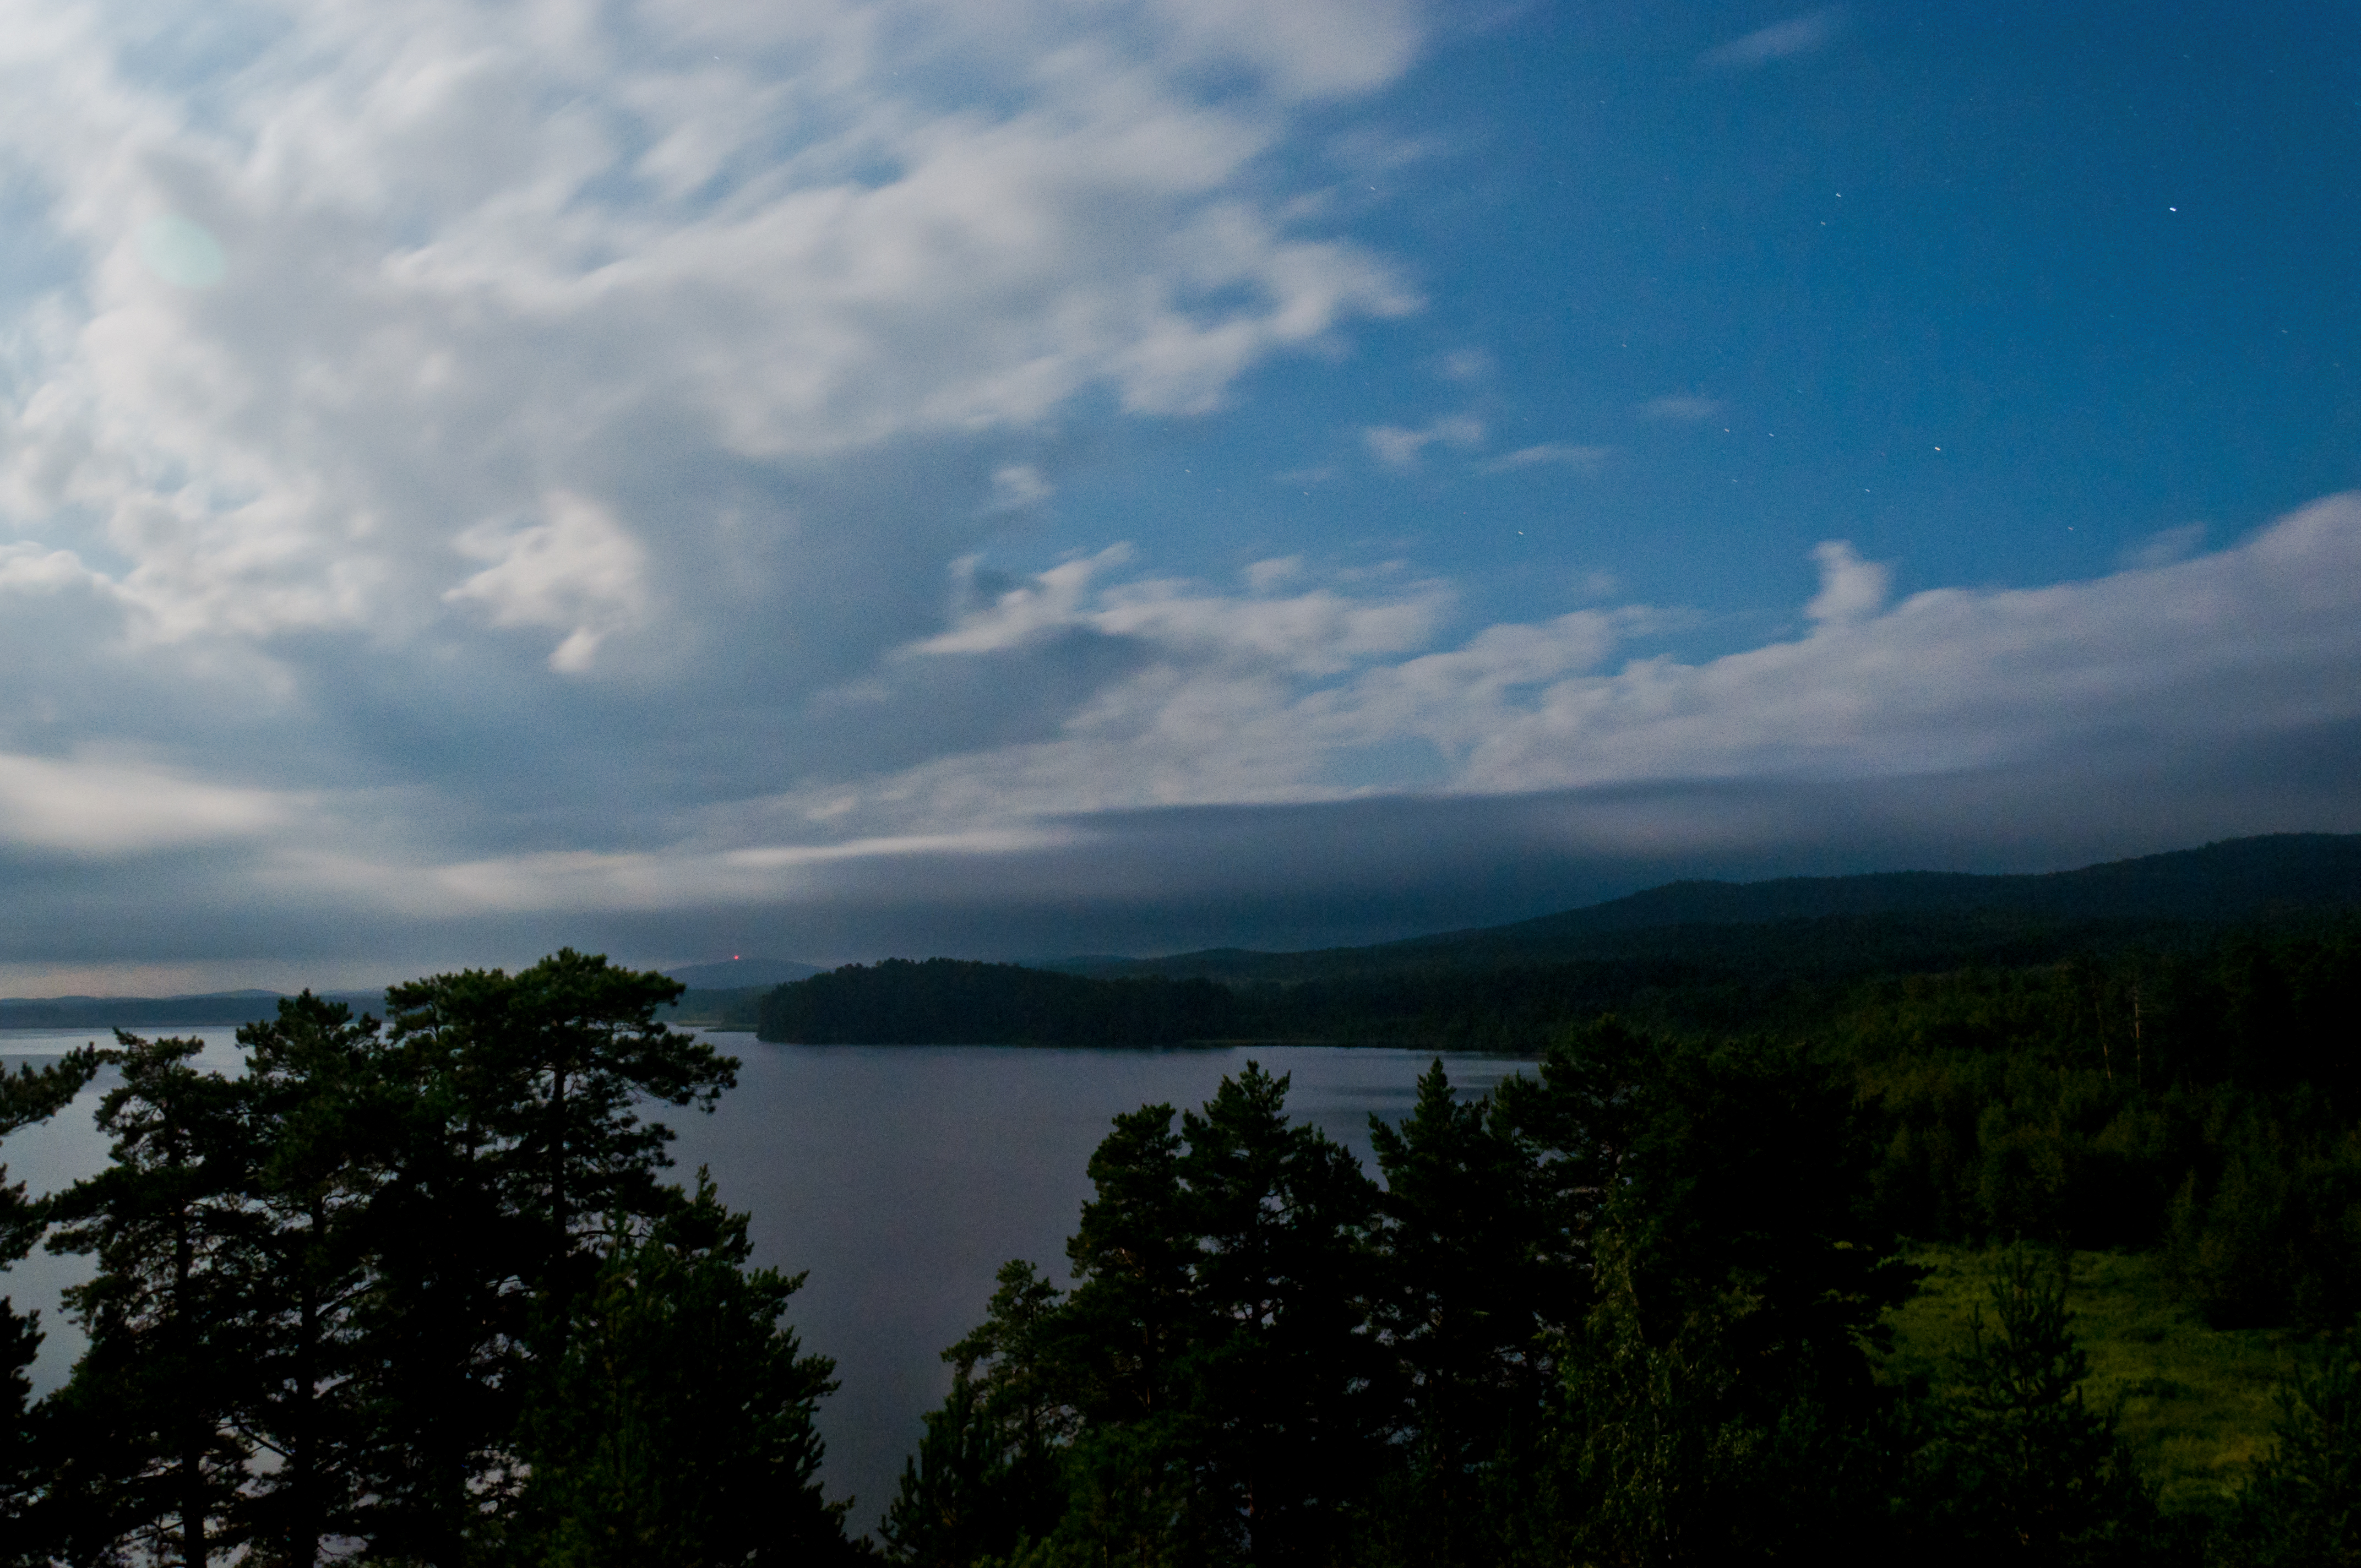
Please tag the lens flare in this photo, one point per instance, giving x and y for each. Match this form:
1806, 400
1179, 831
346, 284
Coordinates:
183, 254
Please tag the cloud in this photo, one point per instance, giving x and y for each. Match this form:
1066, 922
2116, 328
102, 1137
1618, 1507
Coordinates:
1021, 613
1399, 448
1790, 39
1236, 700
2165, 546
2236, 644
1850, 587
1311, 48
1018, 485
429, 396
1467, 364
1949, 714
1556, 452
457, 260
578, 571
97, 805
1265, 576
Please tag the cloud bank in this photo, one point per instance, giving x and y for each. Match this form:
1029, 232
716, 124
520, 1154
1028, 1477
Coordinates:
475, 476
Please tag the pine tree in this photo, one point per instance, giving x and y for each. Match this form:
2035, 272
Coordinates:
676, 1427
513, 1143
1132, 1317
152, 1450
2302, 1506
546, 1068
988, 1473
1291, 1397
1471, 1280
2019, 1468
28, 1095
317, 1093
1211, 1385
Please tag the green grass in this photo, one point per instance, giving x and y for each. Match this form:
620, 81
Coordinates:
2194, 1403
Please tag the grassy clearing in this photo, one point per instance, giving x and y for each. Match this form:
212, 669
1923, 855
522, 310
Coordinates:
2194, 1402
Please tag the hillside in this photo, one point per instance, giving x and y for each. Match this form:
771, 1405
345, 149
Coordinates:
1881, 920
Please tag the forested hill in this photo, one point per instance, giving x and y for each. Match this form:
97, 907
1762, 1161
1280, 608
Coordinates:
952, 1002
1915, 918
1697, 956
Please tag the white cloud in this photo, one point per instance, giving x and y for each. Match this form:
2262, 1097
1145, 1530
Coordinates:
1556, 453
1309, 48
457, 259
407, 359
1264, 576
1850, 587
579, 572
1251, 699
2262, 636
2165, 546
1017, 486
1277, 697
1467, 364
97, 805
686, 876
1682, 409
1797, 35
1397, 448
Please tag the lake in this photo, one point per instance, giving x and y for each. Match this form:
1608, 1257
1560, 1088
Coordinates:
900, 1177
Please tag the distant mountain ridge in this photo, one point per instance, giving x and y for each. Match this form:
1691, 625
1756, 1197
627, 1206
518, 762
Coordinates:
2232, 880
737, 974
218, 1009
210, 1010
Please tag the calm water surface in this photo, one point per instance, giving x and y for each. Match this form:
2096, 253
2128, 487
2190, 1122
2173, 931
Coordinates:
900, 1177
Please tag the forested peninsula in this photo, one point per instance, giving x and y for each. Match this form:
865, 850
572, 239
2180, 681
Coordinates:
420, 1291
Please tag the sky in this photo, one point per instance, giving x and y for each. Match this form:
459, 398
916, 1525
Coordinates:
827, 479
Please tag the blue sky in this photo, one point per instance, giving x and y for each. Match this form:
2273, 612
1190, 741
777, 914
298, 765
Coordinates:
836, 478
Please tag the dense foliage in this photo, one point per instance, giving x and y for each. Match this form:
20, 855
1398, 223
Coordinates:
953, 1001
2206, 1102
1626, 1312
414, 1293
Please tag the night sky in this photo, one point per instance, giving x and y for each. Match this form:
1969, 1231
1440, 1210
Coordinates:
832, 479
